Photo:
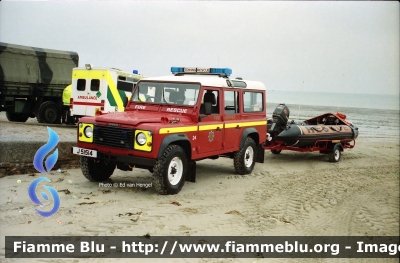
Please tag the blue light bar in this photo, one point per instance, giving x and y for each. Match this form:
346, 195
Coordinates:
219, 71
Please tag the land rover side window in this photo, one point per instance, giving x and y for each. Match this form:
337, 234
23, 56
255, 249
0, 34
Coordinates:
210, 96
81, 84
231, 102
95, 85
125, 86
166, 93
253, 101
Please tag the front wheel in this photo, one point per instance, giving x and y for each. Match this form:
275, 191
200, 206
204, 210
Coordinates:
170, 171
97, 170
243, 159
334, 156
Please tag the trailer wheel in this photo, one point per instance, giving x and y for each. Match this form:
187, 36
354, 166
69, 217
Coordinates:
334, 156
276, 151
48, 113
243, 159
17, 117
96, 170
170, 171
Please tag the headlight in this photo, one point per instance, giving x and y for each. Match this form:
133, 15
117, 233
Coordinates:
141, 138
88, 132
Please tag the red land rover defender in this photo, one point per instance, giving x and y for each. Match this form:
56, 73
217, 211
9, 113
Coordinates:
173, 121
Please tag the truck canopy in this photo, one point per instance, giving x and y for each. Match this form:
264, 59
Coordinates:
23, 64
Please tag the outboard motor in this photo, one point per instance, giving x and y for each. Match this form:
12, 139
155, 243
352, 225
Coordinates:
279, 120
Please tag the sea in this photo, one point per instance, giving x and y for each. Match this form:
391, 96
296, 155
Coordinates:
377, 116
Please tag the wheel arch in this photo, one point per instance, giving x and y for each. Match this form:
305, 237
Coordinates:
249, 132
179, 139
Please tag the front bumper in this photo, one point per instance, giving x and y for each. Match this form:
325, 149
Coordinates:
125, 159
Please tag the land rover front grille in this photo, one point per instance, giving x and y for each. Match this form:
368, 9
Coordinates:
113, 137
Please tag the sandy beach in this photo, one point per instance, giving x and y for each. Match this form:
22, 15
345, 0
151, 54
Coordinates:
291, 194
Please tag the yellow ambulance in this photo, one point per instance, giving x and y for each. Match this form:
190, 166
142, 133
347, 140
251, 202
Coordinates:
100, 90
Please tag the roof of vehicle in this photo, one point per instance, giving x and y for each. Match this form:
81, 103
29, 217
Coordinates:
36, 51
109, 69
207, 80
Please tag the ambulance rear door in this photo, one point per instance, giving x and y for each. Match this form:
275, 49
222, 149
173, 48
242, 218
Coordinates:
86, 93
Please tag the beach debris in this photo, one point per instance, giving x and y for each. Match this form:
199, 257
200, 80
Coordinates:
139, 215
175, 203
106, 191
66, 191
19, 181
59, 222
70, 181
29, 221
234, 212
137, 218
70, 211
86, 198
60, 180
73, 196
86, 203
59, 170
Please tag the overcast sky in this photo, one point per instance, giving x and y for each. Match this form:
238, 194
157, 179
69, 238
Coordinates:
348, 47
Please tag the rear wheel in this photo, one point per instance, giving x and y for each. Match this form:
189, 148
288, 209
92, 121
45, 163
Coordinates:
335, 155
170, 171
17, 117
243, 159
48, 113
96, 170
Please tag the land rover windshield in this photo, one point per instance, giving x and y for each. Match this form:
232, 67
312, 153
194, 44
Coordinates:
166, 93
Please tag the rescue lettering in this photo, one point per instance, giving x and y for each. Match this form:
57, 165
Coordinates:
140, 107
87, 97
177, 110
316, 129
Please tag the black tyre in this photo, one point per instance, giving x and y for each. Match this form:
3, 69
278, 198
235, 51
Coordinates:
96, 170
243, 159
276, 151
334, 156
48, 113
17, 117
170, 171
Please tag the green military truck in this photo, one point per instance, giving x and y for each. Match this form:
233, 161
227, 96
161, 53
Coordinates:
32, 81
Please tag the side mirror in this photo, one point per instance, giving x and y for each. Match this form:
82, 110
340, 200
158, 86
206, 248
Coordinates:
125, 102
207, 108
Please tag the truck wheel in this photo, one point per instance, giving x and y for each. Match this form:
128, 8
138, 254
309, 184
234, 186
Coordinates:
96, 171
334, 156
48, 113
18, 117
243, 159
276, 151
170, 171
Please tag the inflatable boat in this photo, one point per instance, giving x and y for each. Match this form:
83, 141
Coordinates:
329, 133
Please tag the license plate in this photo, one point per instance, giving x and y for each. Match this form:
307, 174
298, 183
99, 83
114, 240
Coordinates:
84, 152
